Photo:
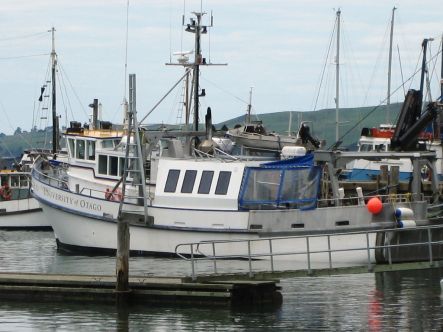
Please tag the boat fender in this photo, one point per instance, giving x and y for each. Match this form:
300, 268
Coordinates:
403, 213
406, 224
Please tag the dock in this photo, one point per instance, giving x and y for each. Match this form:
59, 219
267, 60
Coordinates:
142, 290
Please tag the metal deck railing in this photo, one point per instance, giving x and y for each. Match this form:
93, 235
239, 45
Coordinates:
193, 252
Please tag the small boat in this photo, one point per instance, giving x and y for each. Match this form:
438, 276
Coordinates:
253, 135
18, 209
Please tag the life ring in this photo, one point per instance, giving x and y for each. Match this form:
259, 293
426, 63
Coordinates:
426, 173
108, 194
117, 195
5, 192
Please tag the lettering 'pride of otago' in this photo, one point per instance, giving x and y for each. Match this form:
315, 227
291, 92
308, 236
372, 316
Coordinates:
73, 201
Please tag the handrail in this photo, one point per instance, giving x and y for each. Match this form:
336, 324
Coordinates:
197, 254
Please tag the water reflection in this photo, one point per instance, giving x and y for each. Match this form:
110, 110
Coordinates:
406, 300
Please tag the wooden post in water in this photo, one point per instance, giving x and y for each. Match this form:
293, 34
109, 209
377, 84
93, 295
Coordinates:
383, 177
394, 176
122, 261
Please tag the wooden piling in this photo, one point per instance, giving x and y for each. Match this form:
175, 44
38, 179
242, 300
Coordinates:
394, 178
122, 261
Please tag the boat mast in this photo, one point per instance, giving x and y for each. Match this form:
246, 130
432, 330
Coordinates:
337, 78
198, 29
54, 101
388, 98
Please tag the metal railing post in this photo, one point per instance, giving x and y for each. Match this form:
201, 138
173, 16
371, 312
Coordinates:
368, 251
329, 252
192, 263
249, 259
214, 257
308, 254
271, 255
430, 247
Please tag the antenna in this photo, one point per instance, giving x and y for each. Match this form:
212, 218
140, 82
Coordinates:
126, 47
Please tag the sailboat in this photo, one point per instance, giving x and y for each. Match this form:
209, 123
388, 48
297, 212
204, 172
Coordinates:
18, 208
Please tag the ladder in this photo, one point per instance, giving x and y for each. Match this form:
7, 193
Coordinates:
134, 163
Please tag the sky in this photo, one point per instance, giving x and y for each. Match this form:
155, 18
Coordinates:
278, 48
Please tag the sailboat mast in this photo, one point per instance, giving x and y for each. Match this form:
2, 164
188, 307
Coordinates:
388, 98
54, 94
337, 78
441, 74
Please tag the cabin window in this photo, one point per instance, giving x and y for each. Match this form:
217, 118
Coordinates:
24, 181
90, 150
107, 144
80, 149
171, 181
205, 182
366, 147
121, 162
4, 180
71, 147
102, 164
223, 183
113, 165
15, 182
188, 181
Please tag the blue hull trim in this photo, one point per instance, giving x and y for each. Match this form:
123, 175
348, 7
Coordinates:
368, 175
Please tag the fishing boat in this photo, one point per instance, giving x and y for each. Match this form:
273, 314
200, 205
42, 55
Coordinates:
170, 192
417, 127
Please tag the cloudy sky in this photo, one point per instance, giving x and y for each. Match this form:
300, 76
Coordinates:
277, 47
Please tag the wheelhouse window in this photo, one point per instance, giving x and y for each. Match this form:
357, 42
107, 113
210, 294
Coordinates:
71, 143
113, 165
15, 182
171, 181
188, 181
121, 166
107, 143
205, 182
366, 147
102, 164
80, 149
223, 183
24, 181
90, 150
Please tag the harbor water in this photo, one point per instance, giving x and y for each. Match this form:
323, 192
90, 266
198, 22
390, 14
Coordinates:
391, 301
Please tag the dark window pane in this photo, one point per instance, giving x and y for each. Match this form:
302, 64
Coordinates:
113, 166
102, 164
188, 181
205, 182
171, 181
223, 183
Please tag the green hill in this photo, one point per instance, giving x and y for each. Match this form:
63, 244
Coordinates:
322, 125
322, 122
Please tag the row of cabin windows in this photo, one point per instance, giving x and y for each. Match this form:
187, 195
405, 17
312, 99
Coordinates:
15, 181
204, 186
81, 149
110, 165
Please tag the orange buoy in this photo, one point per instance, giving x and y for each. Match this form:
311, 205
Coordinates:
374, 205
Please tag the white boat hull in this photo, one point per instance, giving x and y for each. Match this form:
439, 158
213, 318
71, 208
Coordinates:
22, 213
